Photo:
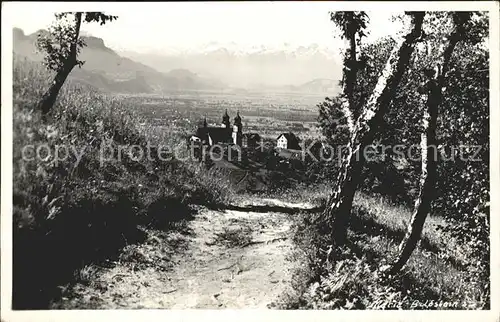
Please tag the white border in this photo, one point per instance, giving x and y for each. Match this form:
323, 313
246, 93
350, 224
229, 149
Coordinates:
250, 315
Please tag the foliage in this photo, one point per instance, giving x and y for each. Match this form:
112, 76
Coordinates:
353, 26
350, 22
465, 106
62, 40
462, 192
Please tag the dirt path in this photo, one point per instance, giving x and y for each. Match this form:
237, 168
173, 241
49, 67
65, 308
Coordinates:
227, 259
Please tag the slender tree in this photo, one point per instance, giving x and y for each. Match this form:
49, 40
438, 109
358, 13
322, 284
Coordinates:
352, 25
61, 45
337, 211
432, 95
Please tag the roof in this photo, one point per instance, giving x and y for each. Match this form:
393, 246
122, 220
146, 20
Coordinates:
238, 117
252, 135
218, 134
225, 117
289, 136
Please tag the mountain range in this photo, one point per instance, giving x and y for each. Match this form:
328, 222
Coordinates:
107, 70
242, 67
212, 68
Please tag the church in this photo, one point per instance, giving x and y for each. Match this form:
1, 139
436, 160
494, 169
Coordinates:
210, 135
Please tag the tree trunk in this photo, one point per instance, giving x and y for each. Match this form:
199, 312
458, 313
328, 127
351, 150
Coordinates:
352, 71
429, 162
337, 212
427, 182
49, 98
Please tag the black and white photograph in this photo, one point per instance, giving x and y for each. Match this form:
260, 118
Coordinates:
273, 156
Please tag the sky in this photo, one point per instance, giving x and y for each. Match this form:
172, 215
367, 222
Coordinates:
151, 26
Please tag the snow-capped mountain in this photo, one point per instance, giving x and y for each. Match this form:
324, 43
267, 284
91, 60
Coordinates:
240, 65
236, 49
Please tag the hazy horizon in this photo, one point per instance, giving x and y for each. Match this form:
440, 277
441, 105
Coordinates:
241, 44
158, 27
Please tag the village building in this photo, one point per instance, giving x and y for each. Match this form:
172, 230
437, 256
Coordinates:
287, 141
237, 129
224, 134
251, 140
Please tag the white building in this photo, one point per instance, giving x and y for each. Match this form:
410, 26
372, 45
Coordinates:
287, 141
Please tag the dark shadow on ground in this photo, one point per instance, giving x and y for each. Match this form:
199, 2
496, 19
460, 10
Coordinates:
87, 233
272, 208
361, 221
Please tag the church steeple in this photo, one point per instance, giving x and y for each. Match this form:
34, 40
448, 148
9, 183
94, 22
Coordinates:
237, 130
225, 120
237, 120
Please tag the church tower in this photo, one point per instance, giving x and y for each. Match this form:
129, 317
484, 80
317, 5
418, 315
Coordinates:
225, 120
237, 130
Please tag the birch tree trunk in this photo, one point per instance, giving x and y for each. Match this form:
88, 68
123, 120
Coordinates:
337, 212
351, 74
428, 145
49, 98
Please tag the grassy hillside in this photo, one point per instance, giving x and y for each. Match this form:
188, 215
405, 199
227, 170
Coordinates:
72, 211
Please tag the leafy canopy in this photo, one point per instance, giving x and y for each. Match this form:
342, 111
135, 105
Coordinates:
62, 43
